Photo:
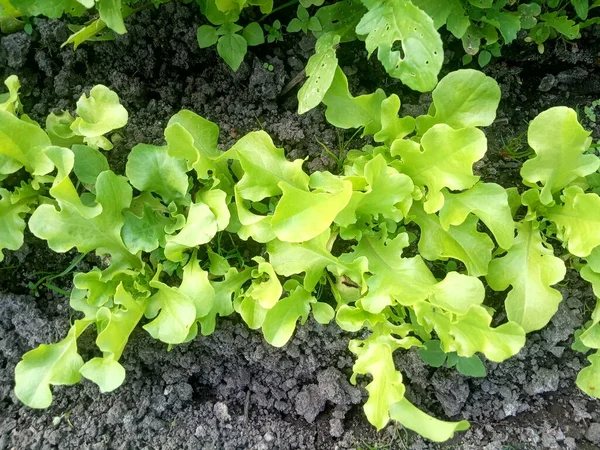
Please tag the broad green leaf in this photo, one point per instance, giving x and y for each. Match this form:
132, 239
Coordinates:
392, 126
111, 15
470, 292
462, 99
560, 144
471, 333
429, 427
581, 8
68, 227
590, 336
345, 111
312, 257
232, 48
253, 33
145, 232
58, 127
216, 199
52, 9
225, 292
389, 21
444, 158
432, 353
320, 70
322, 312
341, 18
280, 321
265, 288
489, 202
200, 227
352, 319
89, 163
179, 307
578, 221
388, 193
462, 242
265, 166
114, 328
446, 12
507, 22
13, 208
54, 364
588, 380
99, 113
207, 36
591, 276
471, 367
386, 388
251, 312
24, 144
531, 268
151, 168
301, 215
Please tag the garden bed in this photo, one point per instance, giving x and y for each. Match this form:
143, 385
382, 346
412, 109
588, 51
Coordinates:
231, 390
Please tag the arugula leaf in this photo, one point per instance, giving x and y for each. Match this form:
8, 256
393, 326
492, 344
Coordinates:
530, 267
389, 21
444, 158
320, 71
560, 143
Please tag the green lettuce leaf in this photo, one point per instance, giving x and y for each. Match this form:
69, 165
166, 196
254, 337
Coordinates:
280, 321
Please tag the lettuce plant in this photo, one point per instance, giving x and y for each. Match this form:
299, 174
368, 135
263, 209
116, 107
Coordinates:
158, 231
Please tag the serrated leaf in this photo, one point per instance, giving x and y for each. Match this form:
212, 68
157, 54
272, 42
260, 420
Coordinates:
489, 202
280, 321
23, 143
54, 364
151, 168
429, 427
389, 21
179, 307
462, 242
320, 71
444, 158
463, 98
265, 166
300, 216
471, 333
578, 220
392, 126
99, 113
562, 24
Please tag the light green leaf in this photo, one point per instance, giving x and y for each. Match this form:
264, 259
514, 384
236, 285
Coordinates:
111, 14
224, 291
232, 48
23, 143
386, 388
89, 163
559, 142
265, 166
352, 319
179, 307
200, 227
320, 70
145, 232
9, 101
341, 18
54, 364
489, 202
252, 225
99, 113
462, 242
84, 227
151, 168
392, 126
312, 257
280, 321
471, 333
429, 427
530, 267
322, 312
588, 380
106, 372
301, 216
265, 288
389, 21
345, 111
444, 158
251, 312
578, 220
462, 99
13, 208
